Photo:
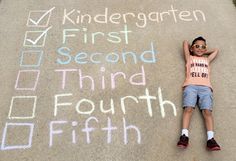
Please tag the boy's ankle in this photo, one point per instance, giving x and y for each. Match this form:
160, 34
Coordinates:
184, 132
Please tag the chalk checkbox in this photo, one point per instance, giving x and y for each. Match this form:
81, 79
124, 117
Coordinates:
22, 107
17, 136
27, 80
39, 18
31, 58
36, 38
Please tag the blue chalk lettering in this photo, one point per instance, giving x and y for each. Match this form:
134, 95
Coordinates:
93, 60
64, 51
109, 57
149, 55
124, 56
79, 58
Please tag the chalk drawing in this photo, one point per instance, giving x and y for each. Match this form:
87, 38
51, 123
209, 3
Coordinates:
131, 127
36, 38
122, 101
88, 129
11, 147
39, 18
53, 132
112, 107
64, 76
26, 72
56, 104
92, 37
66, 56
164, 102
92, 105
28, 54
136, 79
109, 129
91, 128
140, 19
34, 98
74, 124
148, 98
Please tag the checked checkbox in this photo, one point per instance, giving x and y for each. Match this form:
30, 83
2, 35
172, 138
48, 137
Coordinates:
39, 18
35, 38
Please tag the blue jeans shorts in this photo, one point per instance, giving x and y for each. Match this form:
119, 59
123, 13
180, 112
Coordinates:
198, 95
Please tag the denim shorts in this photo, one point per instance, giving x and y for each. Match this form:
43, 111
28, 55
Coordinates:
198, 95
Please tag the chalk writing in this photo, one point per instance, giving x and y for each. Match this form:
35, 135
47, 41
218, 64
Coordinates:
88, 37
113, 77
53, 132
75, 17
65, 57
91, 106
71, 59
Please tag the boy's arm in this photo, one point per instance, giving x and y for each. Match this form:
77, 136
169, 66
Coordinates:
212, 54
186, 50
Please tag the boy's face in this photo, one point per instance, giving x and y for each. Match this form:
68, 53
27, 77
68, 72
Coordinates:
199, 48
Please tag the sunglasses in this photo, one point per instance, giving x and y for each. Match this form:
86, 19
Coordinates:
200, 46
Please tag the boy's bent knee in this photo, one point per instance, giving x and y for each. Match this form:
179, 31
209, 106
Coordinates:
207, 113
188, 109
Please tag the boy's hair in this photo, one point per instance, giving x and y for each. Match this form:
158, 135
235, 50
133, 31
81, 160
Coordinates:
198, 38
